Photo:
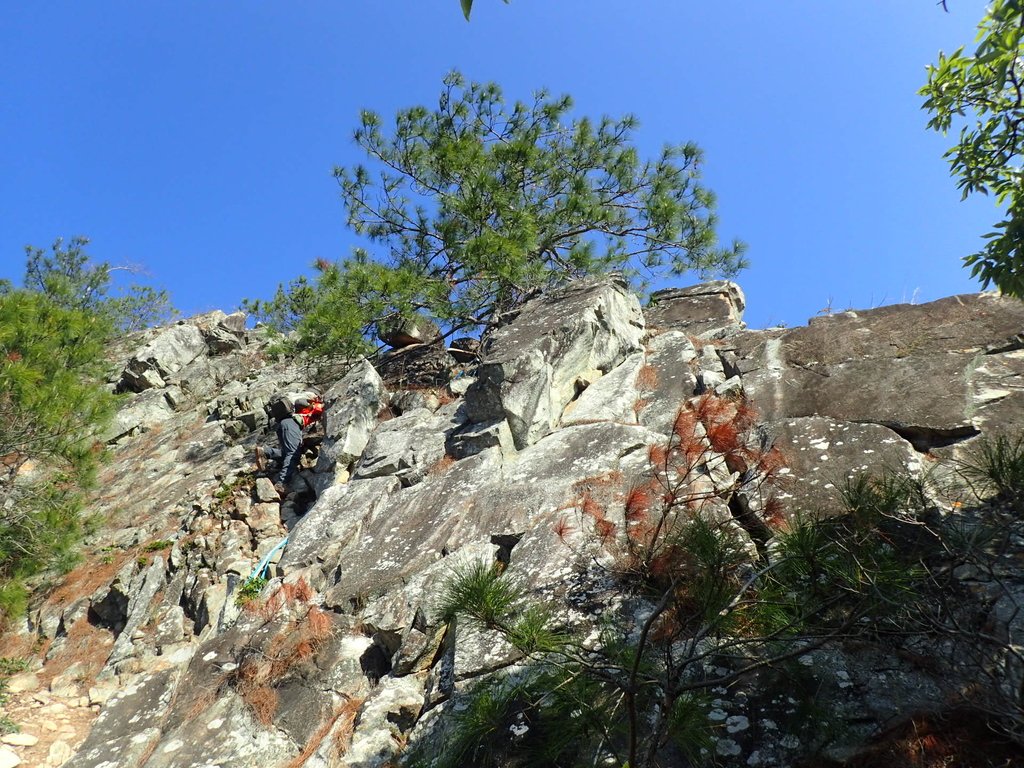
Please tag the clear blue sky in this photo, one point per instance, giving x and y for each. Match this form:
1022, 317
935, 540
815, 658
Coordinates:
197, 139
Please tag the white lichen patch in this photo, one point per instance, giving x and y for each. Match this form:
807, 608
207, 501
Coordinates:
727, 748
737, 723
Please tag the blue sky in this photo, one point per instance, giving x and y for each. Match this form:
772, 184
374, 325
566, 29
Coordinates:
197, 139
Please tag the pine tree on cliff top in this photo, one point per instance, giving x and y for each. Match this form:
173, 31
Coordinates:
475, 205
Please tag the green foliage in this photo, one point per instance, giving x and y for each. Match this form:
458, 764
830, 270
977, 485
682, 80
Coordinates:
689, 727
477, 204
478, 592
863, 566
699, 601
250, 590
286, 309
8, 667
158, 546
52, 410
68, 278
53, 406
983, 94
542, 715
995, 469
488, 710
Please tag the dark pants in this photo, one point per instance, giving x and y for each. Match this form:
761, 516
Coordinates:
289, 437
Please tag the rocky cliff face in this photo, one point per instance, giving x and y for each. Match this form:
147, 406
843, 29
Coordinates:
343, 659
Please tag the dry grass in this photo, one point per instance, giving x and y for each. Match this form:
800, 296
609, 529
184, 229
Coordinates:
88, 577
347, 716
201, 702
343, 719
14, 645
441, 466
262, 701
647, 379
961, 738
85, 644
387, 413
295, 641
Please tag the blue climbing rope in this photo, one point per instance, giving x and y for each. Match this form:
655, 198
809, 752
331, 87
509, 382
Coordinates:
265, 562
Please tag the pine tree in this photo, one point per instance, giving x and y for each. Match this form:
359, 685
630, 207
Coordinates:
476, 205
52, 409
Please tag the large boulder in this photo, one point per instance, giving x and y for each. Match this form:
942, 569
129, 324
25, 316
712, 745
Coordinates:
154, 364
410, 445
671, 378
933, 372
350, 415
335, 522
129, 727
822, 455
223, 333
142, 413
538, 362
422, 365
709, 310
482, 501
405, 331
616, 396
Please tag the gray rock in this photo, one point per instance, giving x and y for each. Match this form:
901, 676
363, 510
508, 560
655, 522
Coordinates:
264, 490
481, 497
175, 398
407, 400
670, 381
226, 733
711, 372
706, 310
424, 365
465, 349
995, 391
460, 384
383, 722
264, 519
615, 396
220, 341
476, 438
406, 331
142, 413
350, 416
165, 355
336, 522
409, 445
848, 366
823, 454
129, 724
224, 333
533, 364
142, 590
171, 628
23, 682
67, 684
110, 602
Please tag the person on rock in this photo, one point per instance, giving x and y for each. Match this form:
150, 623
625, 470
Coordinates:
306, 412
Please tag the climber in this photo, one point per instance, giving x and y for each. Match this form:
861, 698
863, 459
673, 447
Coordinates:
305, 413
